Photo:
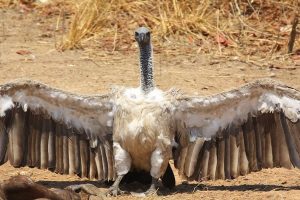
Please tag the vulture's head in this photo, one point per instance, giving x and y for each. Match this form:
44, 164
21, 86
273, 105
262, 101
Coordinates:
142, 36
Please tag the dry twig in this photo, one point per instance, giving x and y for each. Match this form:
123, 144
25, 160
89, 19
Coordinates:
293, 34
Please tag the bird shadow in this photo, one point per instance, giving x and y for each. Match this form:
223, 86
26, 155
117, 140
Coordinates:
180, 188
64, 184
191, 188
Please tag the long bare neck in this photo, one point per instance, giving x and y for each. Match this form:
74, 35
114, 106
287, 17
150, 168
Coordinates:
146, 66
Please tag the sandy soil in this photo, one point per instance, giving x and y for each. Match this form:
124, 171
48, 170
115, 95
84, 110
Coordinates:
27, 51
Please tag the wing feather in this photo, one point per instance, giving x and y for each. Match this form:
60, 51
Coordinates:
59, 148
52, 129
44, 143
220, 143
110, 161
294, 156
258, 142
227, 154
212, 163
104, 160
93, 167
71, 151
234, 153
245, 130
193, 152
99, 163
181, 160
51, 145
243, 159
294, 134
284, 156
65, 150
3, 141
90, 114
31, 140
85, 157
17, 139
204, 159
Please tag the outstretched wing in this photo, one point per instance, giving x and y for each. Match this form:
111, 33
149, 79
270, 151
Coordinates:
237, 132
52, 129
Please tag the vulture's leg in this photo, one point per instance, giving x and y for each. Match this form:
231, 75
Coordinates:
159, 164
152, 188
122, 165
114, 190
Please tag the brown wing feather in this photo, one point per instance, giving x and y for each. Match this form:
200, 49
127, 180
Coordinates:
226, 156
48, 129
212, 163
3, 141
246, 130
58, 149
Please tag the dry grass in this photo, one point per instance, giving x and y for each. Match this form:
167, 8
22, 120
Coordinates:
235, 24
116, 19
229, 27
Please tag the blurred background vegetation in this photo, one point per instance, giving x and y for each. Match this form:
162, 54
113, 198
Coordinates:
228, 27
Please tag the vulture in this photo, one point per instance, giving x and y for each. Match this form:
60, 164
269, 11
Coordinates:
105, 137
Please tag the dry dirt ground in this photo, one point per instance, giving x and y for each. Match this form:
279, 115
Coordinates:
27, 51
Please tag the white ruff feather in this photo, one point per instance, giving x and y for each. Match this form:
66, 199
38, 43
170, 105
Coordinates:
137, 95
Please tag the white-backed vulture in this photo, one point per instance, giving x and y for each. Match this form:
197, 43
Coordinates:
217, 137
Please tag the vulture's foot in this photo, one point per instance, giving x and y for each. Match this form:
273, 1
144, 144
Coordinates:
89, 189
114, 190
152, 190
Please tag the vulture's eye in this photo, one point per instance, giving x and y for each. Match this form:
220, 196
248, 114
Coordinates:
136, 34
